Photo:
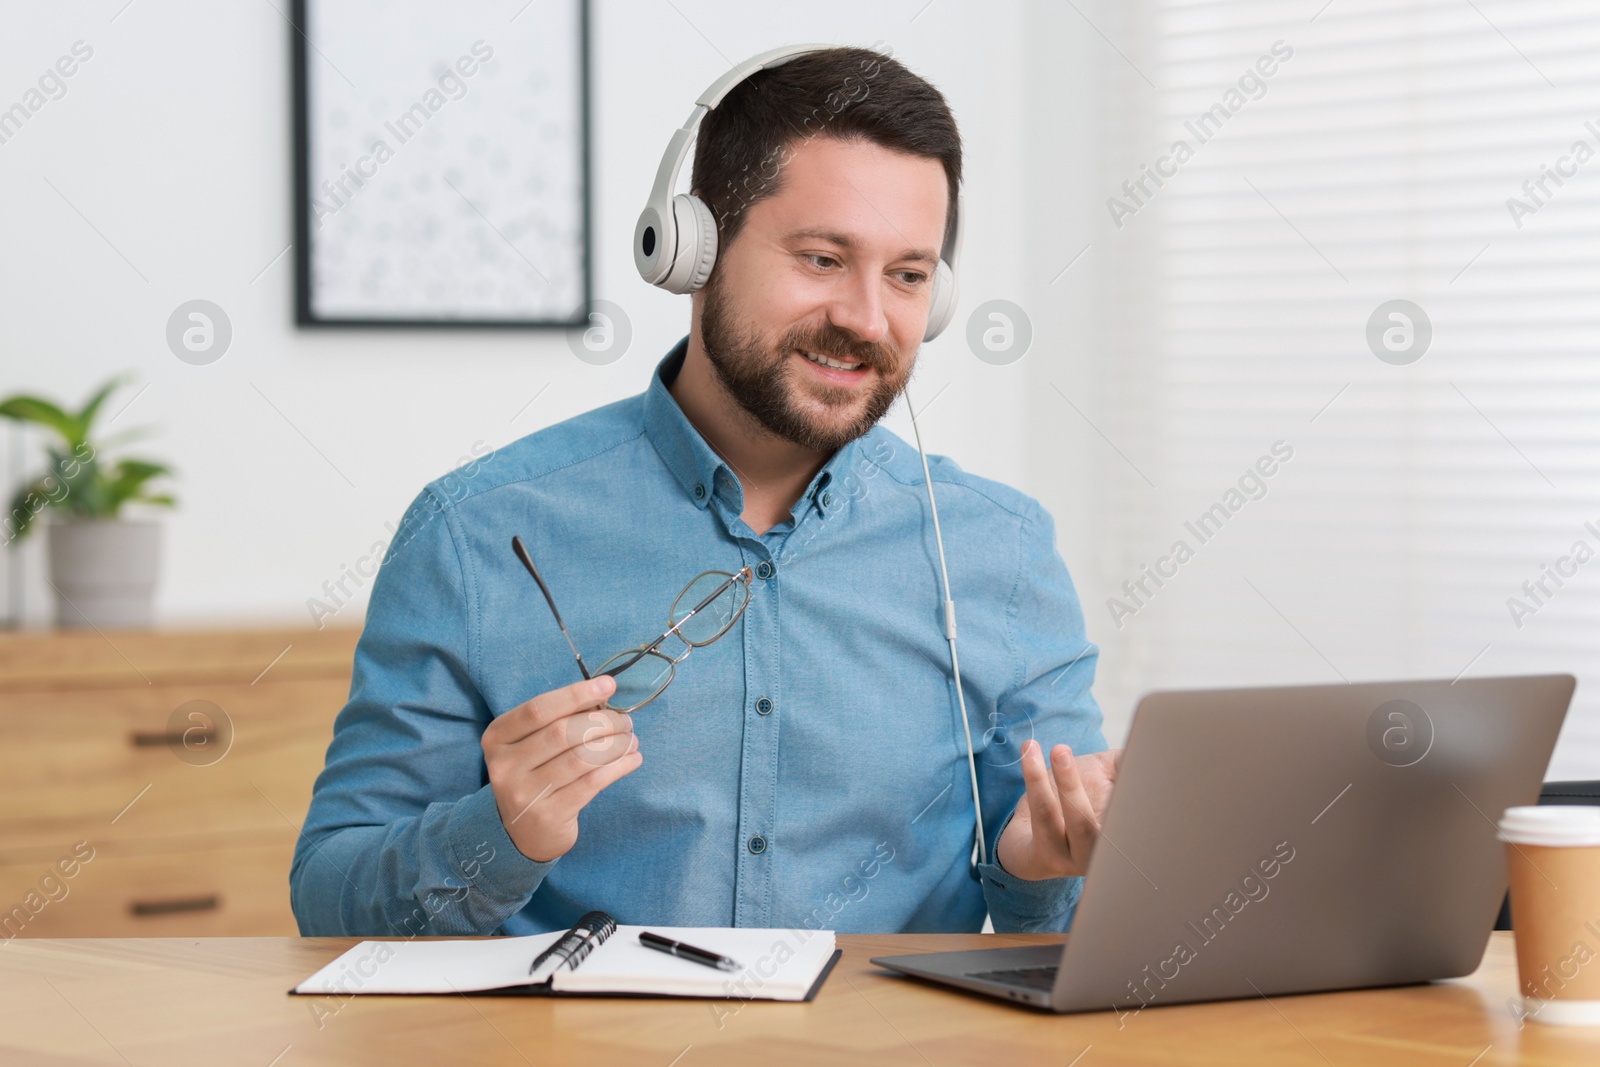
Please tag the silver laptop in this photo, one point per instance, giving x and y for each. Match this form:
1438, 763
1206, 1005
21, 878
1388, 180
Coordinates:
1289, 840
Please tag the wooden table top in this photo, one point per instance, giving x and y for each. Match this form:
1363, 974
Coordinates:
222, 1001
51, 660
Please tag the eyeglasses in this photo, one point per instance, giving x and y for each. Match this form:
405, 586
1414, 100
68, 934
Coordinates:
706, 609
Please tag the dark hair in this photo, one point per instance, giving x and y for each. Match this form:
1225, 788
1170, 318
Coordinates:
848, 93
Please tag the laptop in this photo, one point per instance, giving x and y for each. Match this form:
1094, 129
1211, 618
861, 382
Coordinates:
1289, 840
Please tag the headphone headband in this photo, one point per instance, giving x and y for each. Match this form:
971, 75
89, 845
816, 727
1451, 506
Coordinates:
675, 240
678, 146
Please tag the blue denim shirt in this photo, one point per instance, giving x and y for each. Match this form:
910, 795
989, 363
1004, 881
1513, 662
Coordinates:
808, 769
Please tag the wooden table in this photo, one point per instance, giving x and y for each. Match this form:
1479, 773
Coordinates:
221, 1001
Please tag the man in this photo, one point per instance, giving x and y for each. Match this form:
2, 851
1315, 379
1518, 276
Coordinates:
809, 767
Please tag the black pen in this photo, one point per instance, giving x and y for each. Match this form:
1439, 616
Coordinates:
687, 952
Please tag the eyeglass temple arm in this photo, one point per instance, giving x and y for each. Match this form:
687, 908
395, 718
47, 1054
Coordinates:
652, 646
522, 554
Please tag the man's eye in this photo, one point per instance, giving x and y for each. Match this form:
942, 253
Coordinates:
821, 261
913, 277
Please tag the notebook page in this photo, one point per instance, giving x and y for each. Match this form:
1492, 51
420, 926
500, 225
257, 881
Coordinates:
430, 966
777, 964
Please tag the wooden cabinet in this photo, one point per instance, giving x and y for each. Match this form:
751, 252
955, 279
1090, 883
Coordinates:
179, 764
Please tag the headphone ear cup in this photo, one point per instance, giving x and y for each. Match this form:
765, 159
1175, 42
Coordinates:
942, 301
696, 251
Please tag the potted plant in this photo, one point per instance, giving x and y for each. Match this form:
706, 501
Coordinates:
103, 565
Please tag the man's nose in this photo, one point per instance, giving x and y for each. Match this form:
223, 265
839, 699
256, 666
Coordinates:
859, 310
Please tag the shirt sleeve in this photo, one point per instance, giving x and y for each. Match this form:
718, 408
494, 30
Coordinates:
1049, 702
403, 837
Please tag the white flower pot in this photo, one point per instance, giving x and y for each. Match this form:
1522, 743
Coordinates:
104, 571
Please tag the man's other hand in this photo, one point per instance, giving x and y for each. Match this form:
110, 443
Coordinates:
1059, 815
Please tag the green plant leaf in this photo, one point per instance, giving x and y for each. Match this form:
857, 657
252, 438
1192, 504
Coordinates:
30, 500
79, 480
43, 413
126, 481
112, 499
142, 468
92, 407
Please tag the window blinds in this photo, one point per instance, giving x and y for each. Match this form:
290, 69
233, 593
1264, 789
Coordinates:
1277, 177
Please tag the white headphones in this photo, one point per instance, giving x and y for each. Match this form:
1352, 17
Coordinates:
675, 242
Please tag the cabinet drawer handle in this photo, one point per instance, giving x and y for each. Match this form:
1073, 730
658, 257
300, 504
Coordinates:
174, 905
170, 738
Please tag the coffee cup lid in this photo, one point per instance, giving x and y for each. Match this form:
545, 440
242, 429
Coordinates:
1558, 825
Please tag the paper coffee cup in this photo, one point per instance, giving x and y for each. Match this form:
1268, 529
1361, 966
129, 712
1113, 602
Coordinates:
1553, 857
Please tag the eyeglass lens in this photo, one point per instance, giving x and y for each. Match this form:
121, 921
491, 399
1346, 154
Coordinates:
703, 612
712, 620
640, 680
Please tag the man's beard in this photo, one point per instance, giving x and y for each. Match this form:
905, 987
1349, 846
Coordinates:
758, 380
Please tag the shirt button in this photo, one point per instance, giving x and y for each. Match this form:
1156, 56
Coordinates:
765, 570
757, 845
699, 491
827, 500
763, 706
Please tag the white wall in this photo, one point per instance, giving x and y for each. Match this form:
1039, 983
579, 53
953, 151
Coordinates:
173, 142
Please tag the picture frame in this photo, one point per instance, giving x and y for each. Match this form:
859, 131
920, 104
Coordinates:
442, 166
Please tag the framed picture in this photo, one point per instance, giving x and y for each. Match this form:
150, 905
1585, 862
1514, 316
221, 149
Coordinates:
441, 163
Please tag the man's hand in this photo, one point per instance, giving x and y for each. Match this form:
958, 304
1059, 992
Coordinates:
551, 755
1058, 817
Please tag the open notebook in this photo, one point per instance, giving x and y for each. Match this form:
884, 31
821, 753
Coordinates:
774, 965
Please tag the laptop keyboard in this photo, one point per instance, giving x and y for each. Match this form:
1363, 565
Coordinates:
1026, 977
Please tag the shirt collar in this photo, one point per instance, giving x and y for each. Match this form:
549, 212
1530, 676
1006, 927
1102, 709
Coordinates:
679, 444
700, 471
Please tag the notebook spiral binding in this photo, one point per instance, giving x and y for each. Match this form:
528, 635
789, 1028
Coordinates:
589, 931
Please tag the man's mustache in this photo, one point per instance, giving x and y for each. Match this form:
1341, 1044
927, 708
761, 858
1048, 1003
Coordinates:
838, 345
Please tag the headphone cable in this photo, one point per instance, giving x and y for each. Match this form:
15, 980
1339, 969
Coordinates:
950, 634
